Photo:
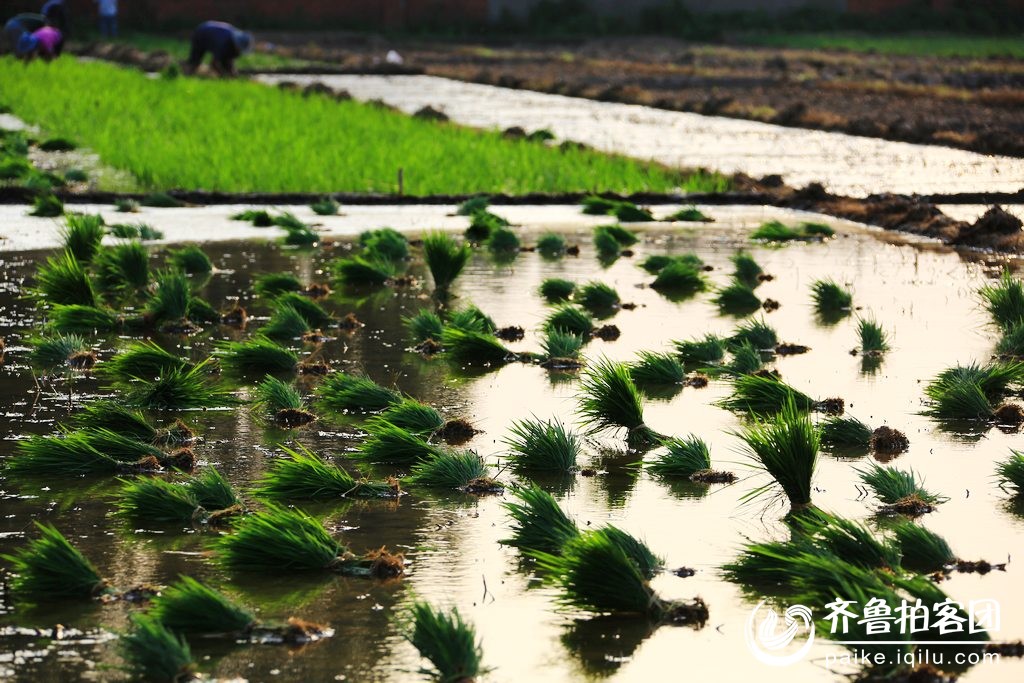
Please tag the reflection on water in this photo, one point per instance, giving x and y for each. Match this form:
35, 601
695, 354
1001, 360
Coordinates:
923, 295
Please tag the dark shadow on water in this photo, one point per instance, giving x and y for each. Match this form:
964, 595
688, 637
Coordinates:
603, 644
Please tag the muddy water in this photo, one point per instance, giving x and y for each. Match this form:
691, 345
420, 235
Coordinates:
845, 164
923, 294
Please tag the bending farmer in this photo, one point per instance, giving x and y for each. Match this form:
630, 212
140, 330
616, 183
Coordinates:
18, 25
47, 42
224, 42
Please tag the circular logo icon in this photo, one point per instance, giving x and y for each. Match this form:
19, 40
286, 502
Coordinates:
767, 642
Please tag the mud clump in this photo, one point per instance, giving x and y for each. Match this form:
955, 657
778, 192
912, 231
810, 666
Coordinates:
317, 291
712, 477
978, 567
889, 441
684, 572
607, 333
350, 323
697, 380
770, 305
300, 632
290, 418
315, 368
428, 347
572, 250
1010, 415
688, 613
183, 460
912, 506
997, 229
236, 317
1006, 649
428, 113
483, 486
385, 565
831, 406
455, 432
512, 333
83, 360
316, 337
514, 133
562, 364
791, 349
177, 433
146, 464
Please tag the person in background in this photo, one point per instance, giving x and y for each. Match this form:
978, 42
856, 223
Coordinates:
56, 14
46, 43
108, 18
224, 42
17, 26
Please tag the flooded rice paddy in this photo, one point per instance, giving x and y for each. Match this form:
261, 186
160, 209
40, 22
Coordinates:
923, 294
844, 164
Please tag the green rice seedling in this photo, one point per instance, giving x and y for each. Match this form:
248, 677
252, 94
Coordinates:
64, 280
50, 568
682, 458
302, 475
757, 333
468, 347
845, 432
157, 500
124, 231
117, 418
899, 489
340, 392
817, 230
625, 238
1011, 344
848, 540
708, 350
1004, 301
144, 359
829, 297
418, 418
598, 206
82, 235
325, 207
873, 339
255, 356
627, 212
503, 241
447, 642
1011, 473
746, 359
657, 368
120, 447
126, 205
540, 135
169, 303
313, 312
597, 297
542, 445
191, 260
78, 319
297, 234
748, 271
774, 231
385, 244
656, 262
551, 245
538, 522
555, 289
565, 345
12, 168
162, 200
278, 539
258, 217
649, 563
770, 564
459, 470
358, 270
481, 225
958, 399
148, 232
180, 389
47, 205
445, 258
212, 491
737, 299
994, 378
596, 574
69, 454
188, 606
122, 269
606, 244
786, 447
269, 285
59, 350
474, 205
391, 445
273, 395
472, 319
201, 311
922, 550
152, 652
285, 324
571, 320
689, 214
609, 401
759, 395
424, 325
679, 277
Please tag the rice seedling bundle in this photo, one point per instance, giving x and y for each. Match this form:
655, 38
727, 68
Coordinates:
551, 245
555, 290
817, 230
447, 642
154, 653
1012, 342
258, 217
472, 319
120, 447
609, 401
58, 350
760, 395
774, 231
313, 312
922, 550
144, 359
82, 235
598, 206
899, 489
1011, 472
830, 297
627, 212
191, 260
657, 368
71, 454
473, 205
256, 356
848, 540
445, 258
412, 415
359, 270
157, 500
569, 319
189, 606
459, 470
325, 207
645, 559
340, 391
689, 214
285, 324
112, 415
1004, 301
710, 349
162, 200
423, 325
277, 540
564, 345
269, 285
873, 339
122, 269
606, 244
303, 475
845, 432
539, 523
385, 244
469, 347
64, 280
212, 491
126, 205
737, 298
179, 389
170, 301
391, 445
79, 319
543, 445
597, 297
784, 446
680, 277
50, 568
747, 270
47, 205
746, 359
682, 458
